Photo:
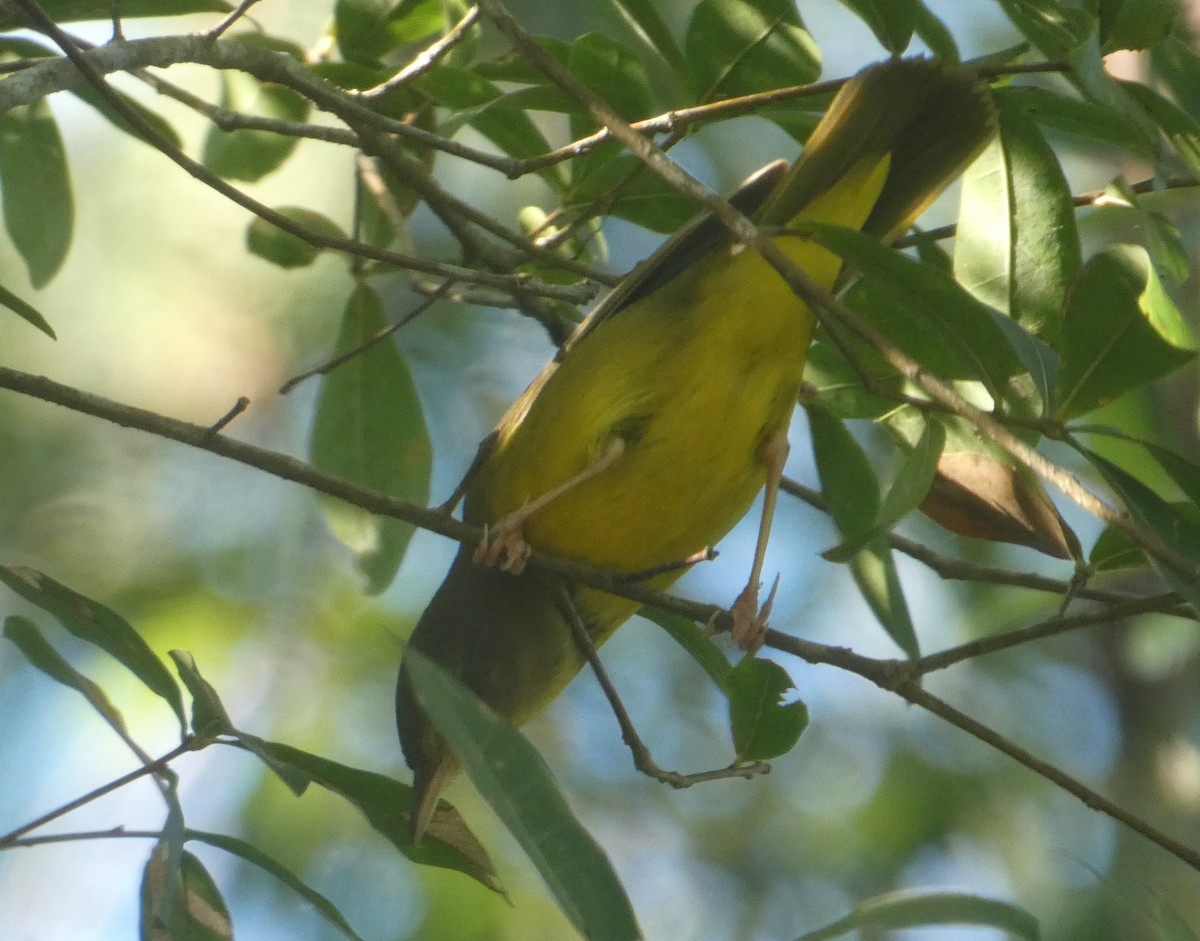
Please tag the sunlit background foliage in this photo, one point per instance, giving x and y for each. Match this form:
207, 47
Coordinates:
160, 305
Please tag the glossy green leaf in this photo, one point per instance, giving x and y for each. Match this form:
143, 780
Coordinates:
913, 480
25, 311
1185, 474
892, 21
37, 650
370, 429
88, 93
1178, 531
70, 11
923, 908
39, 210
851, 493
1177, 64
1121, 331
1054, 26
1113, 551
1159, 235
514, 779
1040, 360
923, 311
737, 47
384, 802
367, 30
98, 625
934, 33
693, 639
256, 857
613, 73
247, 154
474, 100
839, 388
1180, 128
645, 198
200, 912
269, 242
209, 717
1017, 247
647, 23
1135, 24
764, 726
1082, 118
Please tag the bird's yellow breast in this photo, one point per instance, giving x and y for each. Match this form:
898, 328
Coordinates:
693, 378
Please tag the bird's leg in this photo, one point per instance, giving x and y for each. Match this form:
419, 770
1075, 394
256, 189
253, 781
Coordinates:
504, 542
749, 620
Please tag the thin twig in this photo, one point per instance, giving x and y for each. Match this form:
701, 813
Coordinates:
152, 768
332, 363
426, 59
642, 759
514, 283
215, 33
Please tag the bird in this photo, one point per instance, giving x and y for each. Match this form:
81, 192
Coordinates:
652, 430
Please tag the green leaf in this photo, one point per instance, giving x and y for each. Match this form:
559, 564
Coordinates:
209, 717
1017, 247
69, 11
693, 639
839, 387
474, 100
370, 429
1176, 530
512, 777
738, 47
256, 857
643, 18
852, 496
1177, 64
39, 211
934, 33
1052, 25
645, 198
892, 21
367, 30
1113, 551
1185, 474
1121, 331
88, 93
1086, 119
25, 311
1124, 207
37, 651
268, 241
385, 802
1040, 360
1180, 128
1135, 24
763, 725
200, 913
614, 73
912, 483
95, 624
247, 154
923, 311
916, 908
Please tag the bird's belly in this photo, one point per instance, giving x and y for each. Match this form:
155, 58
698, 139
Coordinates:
693, 467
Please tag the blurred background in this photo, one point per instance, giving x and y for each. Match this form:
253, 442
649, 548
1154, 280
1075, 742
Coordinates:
160, 306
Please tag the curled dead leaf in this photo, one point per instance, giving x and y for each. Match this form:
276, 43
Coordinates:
979, 496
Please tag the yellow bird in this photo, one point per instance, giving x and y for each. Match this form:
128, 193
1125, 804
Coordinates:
651, 432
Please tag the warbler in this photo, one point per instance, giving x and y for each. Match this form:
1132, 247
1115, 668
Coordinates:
657, 424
